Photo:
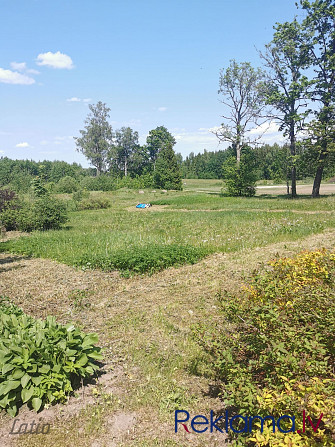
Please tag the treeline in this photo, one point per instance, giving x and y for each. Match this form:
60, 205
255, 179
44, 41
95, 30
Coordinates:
269, 162
19, 174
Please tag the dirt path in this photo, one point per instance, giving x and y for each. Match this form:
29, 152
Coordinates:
144, 326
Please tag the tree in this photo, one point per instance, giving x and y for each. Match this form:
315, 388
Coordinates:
156, 140
287, 86
126, 142
167, 174
240, 179
242, 89
96, 140
319, 26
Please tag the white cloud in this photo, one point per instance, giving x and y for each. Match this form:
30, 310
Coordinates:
61, 140
55, 60
24, 144
18, 66
201, 137
268, 133
265, 128
13, 77
44, 142
2, 152
162, 109
32, 71
73, 99
22, 66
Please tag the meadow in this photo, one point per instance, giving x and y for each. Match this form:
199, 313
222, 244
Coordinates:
180, 227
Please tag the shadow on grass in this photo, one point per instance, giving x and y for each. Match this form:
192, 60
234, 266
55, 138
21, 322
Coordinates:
5, 263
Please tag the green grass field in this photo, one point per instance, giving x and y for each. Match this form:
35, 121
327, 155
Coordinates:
181, 227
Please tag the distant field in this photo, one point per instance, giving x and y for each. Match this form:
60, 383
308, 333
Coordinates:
180, 227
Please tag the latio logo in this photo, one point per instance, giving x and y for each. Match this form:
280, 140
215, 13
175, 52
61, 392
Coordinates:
201, 423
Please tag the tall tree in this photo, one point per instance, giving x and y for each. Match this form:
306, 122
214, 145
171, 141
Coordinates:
97, 137
287, 86
156, 140
167, 174
241, 87
319, 25
126, 142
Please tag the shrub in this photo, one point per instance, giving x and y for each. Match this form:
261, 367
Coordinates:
38, 187
45, 213
67, 185
8, 219
144, 259
273, 349
41, 361
138, 182
240, 179
80, 195
167, 173
8, 199
49, 214
100, 183
93, 203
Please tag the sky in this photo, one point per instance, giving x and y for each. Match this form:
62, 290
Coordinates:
153, 62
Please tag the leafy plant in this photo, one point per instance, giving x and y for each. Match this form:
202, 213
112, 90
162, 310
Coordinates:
67, 185
81, 194
93, 203
273, 348
38, 187
8, 199
144, 259
41, 361
240, 178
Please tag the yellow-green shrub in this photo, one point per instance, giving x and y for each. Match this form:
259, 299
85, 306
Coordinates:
273, 349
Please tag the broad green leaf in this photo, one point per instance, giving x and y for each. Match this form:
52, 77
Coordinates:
90, 340
24, 380
82, 360
44, 369
36, 403
26, 394
7, 367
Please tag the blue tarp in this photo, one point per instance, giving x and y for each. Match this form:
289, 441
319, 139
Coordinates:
143, 205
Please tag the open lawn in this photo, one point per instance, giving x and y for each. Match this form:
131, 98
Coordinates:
152, 363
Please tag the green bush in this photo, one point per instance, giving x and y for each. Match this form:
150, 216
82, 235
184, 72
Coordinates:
100, 183
79, 195
167, 173
93, 203
145, 259
274, 348
45, 213
67, 185
8, 219
239, 179
138, 182
41, 361
49, 214
38, 186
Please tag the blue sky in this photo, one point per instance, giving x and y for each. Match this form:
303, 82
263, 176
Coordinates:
152, 62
